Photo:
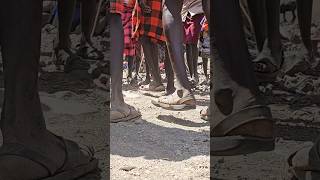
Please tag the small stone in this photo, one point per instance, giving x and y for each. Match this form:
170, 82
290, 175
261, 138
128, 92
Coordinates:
128, 168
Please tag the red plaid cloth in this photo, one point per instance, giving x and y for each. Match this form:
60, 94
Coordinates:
149, 24
129, 42
116, 6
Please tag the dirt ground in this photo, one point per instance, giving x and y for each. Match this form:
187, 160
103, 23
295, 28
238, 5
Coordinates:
161, 144
175, 145
168, 145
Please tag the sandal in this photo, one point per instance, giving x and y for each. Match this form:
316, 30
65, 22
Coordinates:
152, 88
307, 165
266, 68
205, 114
120, 116
145, 82
69, 59
62, 55
89, 52
76, 164
175, 102
227, 143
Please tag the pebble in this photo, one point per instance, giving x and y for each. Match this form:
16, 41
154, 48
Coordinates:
128, 168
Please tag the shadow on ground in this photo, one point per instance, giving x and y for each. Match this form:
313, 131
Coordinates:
151, 141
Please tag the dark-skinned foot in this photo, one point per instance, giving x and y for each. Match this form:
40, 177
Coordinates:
48, 156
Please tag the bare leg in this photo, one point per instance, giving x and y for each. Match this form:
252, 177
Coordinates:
205, 67
305, 18
195, 53
259, 20
120, 111
22, 119
117, 46
169, 73
87, 49
234, 85
148, 77
130, 65
88, 13
172, 24
189, 53
138, 63
274, 38
151, 56
65, 13
189, 59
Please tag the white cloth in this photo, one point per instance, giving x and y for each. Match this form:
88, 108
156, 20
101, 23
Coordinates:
193, 7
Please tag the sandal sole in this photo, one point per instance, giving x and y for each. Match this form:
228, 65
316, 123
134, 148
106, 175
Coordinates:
173, 107
77, 172
126, 119
239, 145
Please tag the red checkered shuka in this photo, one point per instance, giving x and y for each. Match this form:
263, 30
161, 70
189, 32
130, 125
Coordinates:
149, 24
129, 41
116, 6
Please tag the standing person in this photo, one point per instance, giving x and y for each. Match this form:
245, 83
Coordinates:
240, 122
182, 97
86, 48
129, 42
266, 21
29, 149
204, 48
309, 36
147, 21
205, 113
192, 15
120, 111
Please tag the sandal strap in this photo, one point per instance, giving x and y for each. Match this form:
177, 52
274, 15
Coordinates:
240, 118
173, 100
73, 152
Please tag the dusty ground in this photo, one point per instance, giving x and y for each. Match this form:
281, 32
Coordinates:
161, 144
175, 145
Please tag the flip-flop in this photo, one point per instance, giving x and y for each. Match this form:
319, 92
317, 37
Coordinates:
89, 52
174, 102
72, 167
310, 157
265, 67
62, 56
70, 60
150, 88
204, 114
119, 116
224, 144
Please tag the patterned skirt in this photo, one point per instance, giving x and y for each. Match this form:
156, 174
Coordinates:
116, 6
129, 41
149, 24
